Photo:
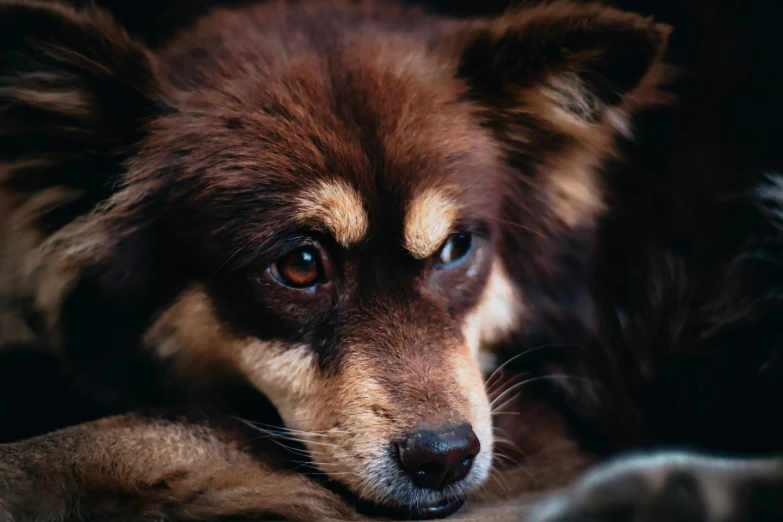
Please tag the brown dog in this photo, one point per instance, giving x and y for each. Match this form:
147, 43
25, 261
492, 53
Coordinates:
324, 201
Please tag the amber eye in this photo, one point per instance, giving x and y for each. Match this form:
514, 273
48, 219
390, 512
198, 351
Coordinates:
457, 246
301, 268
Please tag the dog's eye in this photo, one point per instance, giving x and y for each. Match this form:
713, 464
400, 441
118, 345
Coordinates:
302, 268
457, 246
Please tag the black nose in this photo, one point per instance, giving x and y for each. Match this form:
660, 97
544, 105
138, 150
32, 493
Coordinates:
436, 459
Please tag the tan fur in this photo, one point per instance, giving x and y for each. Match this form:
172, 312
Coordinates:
500, 312
177, 468
72, 103
188, 334
28, 266
335, 207
574, 190
467, 373
428, 222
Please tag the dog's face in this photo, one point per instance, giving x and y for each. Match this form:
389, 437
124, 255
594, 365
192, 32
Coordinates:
330, 198
344, 261
343, 219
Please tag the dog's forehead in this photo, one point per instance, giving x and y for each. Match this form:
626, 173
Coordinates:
354, 137
401, 149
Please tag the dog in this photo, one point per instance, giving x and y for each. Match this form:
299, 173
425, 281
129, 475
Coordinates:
338, 207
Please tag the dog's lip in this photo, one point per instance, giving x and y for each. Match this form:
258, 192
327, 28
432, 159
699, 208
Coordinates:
441, 509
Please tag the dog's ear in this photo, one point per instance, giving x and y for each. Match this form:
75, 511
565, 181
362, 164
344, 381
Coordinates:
557, 84
573, 66
75, 91
76, 94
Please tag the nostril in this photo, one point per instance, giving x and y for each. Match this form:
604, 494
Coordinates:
435, 459
429, 469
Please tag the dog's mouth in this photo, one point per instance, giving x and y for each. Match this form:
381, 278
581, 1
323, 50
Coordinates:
436, 506
437, 510
441, 508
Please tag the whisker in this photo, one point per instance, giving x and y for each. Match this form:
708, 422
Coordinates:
497, 409
526, 352
500, 480
284, 436
290, 430
505, 458
296, 439
555, 376
501, 385
274, 438
312, 463
509, 390
503, 440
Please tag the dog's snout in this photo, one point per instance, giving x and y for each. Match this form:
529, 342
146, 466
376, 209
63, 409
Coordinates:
435, 459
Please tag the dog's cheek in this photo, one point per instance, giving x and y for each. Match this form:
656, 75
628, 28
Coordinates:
288, 375
499, 312
191, 332
357, 422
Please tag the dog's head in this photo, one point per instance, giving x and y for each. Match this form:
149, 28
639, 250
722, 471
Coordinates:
326, 189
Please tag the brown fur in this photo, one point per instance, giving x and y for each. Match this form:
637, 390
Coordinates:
370, 131
173, 468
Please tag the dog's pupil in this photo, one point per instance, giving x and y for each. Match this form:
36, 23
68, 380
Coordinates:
456, 247
301, 267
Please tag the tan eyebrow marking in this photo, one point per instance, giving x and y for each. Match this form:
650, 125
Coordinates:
428, 222
336, 206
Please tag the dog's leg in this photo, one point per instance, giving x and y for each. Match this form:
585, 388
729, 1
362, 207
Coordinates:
156, 468
676, 487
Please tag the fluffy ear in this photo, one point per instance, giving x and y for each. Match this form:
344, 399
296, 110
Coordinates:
568, 64
556, 85
74, 93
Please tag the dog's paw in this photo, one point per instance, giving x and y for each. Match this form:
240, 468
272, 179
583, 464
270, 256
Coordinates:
671, 488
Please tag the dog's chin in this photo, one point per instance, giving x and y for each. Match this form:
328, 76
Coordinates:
398, 500
436, 510
414, 504
423, 504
